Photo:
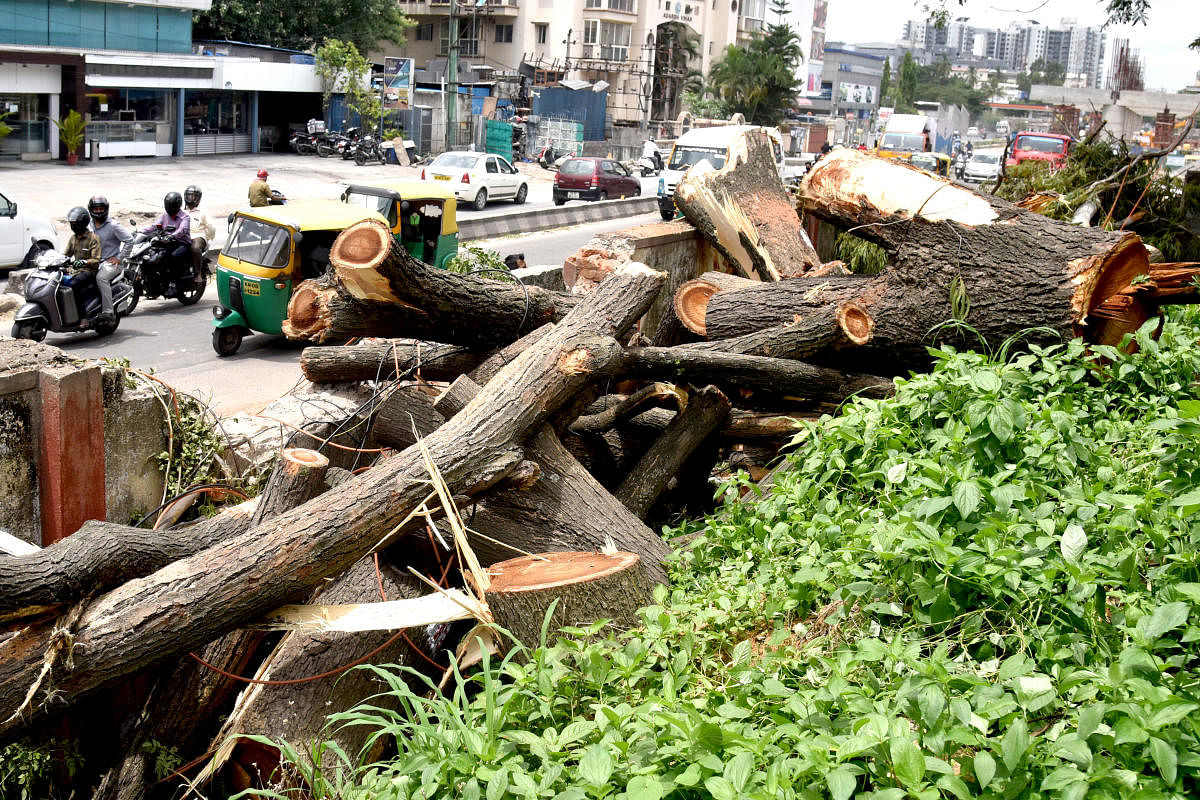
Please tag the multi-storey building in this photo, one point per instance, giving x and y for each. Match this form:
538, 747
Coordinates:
130, 69
1079, 48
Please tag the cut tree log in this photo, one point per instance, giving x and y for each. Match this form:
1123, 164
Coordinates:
705, 410
691, 299
821, 331
739, 310
565, 509
195, 600
745, 377
297, 477
297, 712
403, 414
583, 587
958, 255
380, 359
743, 209
367, 264
1174, 283
318, 312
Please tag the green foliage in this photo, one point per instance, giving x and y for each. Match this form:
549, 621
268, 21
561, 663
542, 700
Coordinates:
70, 130
470, 259
194, 444
1047, 72
986, 586
859, 255
363, 23
1168, 207
885, 82
342, 68
165, 759
909, 75
5, 128
27, 771
759, 80
704, 106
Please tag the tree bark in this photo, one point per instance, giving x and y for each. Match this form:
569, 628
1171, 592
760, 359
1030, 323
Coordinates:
751, 377
705, 410
622, 408
378, 360
298, 476
197, 599
739, 310
401, 410
587, 587
318, 312
692, 298
746, 213
959, 255
820, 332
368, 264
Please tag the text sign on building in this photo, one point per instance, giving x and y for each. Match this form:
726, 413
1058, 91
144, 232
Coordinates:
679, 11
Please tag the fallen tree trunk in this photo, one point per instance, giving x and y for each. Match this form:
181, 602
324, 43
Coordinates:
958, 255
197, 599
369, 265
705, 410
739, 310
767, 379
318, 312
743, 209
584, 587
692, 297
821, 331
403, 414
384, 359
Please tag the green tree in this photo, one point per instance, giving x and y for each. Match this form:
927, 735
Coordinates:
363, 23
993, 83
909, 74
759, 79
1025, 82
1055, 74
885, 82
342, 69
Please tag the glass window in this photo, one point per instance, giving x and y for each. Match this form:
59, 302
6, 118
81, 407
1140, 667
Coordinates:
5, 206
468, 37
257, 242
384, 205
903, 141
216, 112
614, 40
542, 32
506, 167
1040, 144
590, 31
684, 157
620, 5
455, 161
504, 33
174, 30
425, 32
577, 166
491, 166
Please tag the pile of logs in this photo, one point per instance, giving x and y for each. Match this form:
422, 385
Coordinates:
519, 443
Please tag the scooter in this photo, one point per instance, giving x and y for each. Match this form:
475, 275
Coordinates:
64, 302
368, 148
550, 158
152, 272
647, 166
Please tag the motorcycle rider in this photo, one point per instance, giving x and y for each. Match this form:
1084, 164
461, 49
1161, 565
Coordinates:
260, 192
173, 217
84, 248
651, 151
202, 228
115, 240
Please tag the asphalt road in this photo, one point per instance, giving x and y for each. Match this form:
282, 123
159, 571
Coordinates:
176, 342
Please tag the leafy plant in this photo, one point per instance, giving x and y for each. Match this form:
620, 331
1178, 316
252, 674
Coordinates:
985, 586
70, 130
342, 68
472, 259
859, 255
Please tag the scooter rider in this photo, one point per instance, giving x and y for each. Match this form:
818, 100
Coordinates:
202, 227
651, 151
260, 192
174, 217
84, 248
114, 245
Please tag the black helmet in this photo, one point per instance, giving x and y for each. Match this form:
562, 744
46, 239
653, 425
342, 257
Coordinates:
192, 195
172, 203
78, 219
98, 208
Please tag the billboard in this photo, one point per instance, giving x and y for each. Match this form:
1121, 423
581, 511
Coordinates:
856, 93
397, 82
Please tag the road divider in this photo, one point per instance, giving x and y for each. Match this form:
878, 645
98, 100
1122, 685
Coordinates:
513, 222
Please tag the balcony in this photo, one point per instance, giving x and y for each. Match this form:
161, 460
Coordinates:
441, 8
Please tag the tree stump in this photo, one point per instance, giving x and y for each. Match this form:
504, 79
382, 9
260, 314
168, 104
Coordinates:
587, 586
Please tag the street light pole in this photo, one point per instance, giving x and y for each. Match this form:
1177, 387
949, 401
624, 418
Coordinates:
452, 81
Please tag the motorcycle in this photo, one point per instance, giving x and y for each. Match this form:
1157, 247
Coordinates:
368, 148
303, 143
62, 301
153, 272
648, 167
551, 158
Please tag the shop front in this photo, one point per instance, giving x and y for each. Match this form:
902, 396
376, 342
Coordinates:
217, 122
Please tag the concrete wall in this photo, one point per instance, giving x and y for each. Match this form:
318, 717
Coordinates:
134, 434
1145, 104
19, 500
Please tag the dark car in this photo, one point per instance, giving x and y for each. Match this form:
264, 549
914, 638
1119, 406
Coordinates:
593, 179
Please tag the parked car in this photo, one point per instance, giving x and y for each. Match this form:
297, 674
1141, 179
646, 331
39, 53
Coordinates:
593, 179
478, 177
982, 167
973, 132
18, 232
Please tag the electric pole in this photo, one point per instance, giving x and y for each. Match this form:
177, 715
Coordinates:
452, 82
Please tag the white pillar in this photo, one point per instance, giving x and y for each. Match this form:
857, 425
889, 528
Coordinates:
54, 110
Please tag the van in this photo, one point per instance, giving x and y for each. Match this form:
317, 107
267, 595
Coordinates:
705, 144
906, 134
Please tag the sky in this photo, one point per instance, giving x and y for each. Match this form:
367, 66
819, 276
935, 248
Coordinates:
1163, 43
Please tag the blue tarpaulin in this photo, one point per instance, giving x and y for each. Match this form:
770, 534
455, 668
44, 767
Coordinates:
581, 105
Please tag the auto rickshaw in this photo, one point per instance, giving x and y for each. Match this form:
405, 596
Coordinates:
937, 163
269, 250
423, 217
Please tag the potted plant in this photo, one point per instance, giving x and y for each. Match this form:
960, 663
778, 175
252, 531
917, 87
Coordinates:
70, 131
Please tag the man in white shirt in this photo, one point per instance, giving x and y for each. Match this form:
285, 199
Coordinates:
202, 228
650, 150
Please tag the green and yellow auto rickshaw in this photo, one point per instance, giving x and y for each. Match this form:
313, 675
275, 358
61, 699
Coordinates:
423, 217
270, 250
937, 163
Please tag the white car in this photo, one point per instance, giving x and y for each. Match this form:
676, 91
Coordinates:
19, 230
982, 167
478, 177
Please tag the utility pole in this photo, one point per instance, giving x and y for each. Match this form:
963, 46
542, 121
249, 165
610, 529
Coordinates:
452, 82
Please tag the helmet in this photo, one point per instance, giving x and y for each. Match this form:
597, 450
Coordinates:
192, 195
172, 203
98, 208
78, 218
262, 173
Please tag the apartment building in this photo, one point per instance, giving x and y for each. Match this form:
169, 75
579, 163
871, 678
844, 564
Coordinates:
640, 50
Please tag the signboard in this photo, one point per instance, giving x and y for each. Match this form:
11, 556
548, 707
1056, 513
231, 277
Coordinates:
856, 93
397, 79
884, 114
681, 11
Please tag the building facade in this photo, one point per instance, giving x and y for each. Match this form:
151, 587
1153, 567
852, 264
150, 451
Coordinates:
850, 82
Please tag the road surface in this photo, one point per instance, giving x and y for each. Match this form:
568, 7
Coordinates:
176, 342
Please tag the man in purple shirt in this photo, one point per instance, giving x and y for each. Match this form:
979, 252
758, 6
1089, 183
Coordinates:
174, 217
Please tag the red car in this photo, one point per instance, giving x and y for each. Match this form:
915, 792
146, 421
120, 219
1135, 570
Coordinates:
593, 179
1032, 146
